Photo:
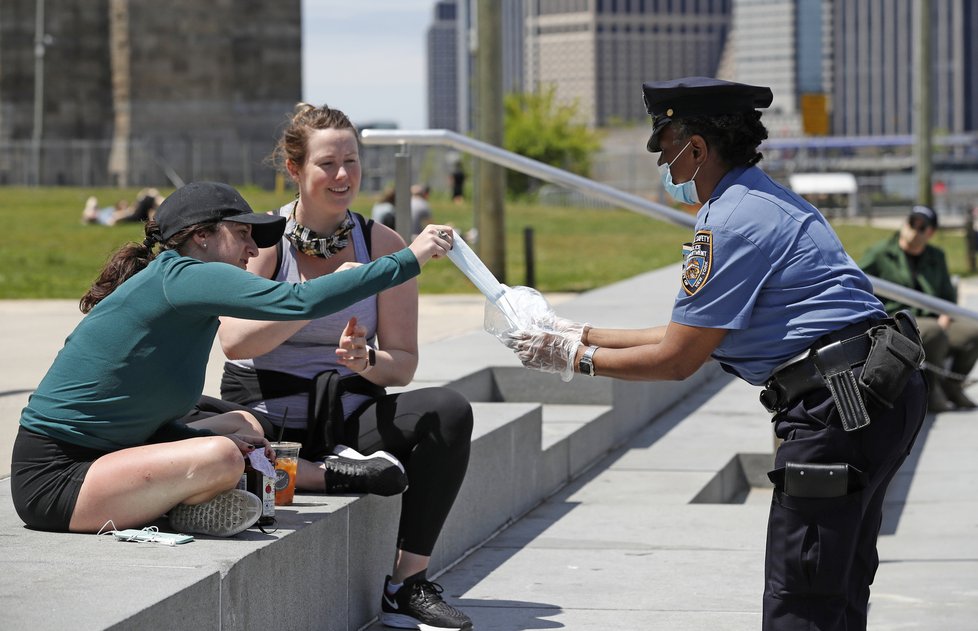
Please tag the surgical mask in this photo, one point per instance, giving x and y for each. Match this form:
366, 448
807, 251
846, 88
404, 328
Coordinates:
684, 193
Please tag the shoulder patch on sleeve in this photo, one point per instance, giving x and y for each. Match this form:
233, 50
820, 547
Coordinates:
697, 262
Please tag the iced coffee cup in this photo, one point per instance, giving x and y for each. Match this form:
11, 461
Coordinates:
286, 468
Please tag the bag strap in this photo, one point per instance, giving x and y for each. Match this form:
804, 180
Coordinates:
366, 227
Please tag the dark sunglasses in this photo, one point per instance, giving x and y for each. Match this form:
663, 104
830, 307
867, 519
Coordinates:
919, 225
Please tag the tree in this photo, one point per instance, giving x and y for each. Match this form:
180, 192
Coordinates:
538, 128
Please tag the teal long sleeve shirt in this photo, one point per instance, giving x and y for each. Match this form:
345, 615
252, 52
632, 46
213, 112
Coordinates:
136, 362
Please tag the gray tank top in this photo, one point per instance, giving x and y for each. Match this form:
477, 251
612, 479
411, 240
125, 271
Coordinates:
311, 350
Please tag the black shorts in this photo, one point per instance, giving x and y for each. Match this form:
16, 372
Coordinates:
45, 477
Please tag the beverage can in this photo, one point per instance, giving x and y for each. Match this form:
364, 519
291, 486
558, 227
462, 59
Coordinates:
262, 486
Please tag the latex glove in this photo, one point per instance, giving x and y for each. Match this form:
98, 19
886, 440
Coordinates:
531, 311
545, 351
568, 327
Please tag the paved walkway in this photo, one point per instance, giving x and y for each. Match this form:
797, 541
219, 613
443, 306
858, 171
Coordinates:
626, 546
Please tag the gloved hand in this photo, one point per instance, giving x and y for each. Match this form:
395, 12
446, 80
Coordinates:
567, 327
546, 351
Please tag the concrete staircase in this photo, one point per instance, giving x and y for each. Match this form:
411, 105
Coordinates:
323, 567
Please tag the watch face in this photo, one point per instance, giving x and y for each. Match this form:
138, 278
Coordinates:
586, 365
371, 356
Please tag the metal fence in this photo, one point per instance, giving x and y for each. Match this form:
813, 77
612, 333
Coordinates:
611, 195
170, 162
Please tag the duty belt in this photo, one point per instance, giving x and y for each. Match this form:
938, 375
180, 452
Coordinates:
828, 364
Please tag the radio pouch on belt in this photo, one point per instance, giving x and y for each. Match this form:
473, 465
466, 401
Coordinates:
833, 364
893, 357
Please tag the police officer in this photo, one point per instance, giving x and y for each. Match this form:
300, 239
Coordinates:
768, 291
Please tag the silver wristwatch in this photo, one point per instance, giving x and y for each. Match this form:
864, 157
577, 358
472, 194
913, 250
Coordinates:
586, 365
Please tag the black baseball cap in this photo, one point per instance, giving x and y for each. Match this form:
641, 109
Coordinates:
698, 96
201, 202
925, 213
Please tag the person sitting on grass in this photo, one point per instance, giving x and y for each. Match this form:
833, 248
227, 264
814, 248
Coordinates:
100, 442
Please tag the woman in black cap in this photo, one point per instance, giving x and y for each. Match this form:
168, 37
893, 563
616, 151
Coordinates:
768, 291
99, 445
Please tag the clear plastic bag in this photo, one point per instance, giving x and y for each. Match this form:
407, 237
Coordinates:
518, 308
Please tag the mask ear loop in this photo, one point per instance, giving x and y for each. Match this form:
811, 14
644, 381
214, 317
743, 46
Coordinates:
103, 531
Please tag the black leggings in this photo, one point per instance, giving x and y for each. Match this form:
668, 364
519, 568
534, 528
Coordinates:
430, 431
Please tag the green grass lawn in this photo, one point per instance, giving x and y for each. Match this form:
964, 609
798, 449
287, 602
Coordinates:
46, 252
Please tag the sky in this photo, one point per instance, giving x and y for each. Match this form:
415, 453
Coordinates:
367, 58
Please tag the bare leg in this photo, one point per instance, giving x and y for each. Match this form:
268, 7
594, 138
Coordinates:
407, 564
137, 485
310, 476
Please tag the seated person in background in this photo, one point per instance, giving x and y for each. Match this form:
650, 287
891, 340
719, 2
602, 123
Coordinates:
908, 259
384, 211
420, 208
106, 216
147, 201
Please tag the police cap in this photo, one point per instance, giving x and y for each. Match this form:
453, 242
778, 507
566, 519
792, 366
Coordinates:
698, 96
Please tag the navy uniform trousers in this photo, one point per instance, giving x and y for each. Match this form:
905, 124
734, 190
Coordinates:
821, 552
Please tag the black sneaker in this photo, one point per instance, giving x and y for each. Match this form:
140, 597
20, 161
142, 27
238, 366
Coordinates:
349, 471
418, 605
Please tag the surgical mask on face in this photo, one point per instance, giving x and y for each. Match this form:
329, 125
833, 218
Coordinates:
684, 193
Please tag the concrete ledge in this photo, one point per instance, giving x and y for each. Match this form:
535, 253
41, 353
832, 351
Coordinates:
325, 563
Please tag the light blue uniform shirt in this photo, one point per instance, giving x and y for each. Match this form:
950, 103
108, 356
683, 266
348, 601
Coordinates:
766, 265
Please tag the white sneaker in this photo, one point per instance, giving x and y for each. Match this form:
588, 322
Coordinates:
227, 514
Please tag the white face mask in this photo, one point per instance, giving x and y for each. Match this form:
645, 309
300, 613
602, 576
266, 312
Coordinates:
684, 193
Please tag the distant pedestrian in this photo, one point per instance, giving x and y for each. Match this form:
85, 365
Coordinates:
458, 182
420, 207
384, 212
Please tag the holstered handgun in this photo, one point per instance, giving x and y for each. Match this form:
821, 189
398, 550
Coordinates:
834, 366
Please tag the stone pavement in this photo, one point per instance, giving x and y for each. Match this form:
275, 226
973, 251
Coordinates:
632, 545
667, 531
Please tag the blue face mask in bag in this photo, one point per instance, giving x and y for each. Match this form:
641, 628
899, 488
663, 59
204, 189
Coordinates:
684, 193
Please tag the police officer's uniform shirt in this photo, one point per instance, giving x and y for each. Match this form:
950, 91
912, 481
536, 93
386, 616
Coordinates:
766, 265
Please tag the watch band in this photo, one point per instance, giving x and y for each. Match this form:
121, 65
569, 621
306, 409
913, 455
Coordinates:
586, 365
371, 359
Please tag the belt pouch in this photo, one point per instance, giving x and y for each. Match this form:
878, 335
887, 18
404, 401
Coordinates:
892, 358
833, 364
805, 479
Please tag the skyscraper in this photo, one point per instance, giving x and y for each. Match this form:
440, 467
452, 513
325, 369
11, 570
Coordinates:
599, 52
455, 73
873, 66
443, 59
786, 45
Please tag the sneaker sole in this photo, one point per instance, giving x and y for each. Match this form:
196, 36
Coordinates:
353, 454
227, 514
392, 481
403, 621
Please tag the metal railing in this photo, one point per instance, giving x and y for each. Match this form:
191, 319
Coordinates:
539, 170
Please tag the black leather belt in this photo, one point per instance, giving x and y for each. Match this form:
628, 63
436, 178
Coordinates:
800, 377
